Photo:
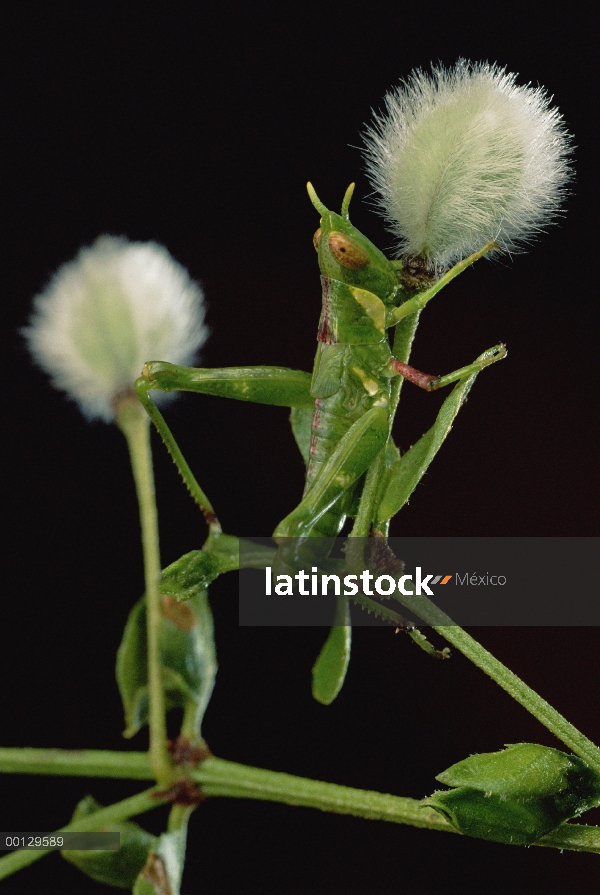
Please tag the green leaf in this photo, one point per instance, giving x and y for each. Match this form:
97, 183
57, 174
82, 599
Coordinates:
329, 671
115, 868
194, 571
516, 795
525, 769
164, 868
409, 470
188, 660
494, 818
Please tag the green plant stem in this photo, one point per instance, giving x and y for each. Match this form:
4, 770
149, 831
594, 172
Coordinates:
178, 817
404, 335
366, 509
532, 701
218, 777
137, 804
403, 338
226, 778
76, 763
508, 680
134, 423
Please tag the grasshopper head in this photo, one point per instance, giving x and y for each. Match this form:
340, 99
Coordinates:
346, 254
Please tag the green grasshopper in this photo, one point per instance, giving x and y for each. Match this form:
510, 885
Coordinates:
342, 415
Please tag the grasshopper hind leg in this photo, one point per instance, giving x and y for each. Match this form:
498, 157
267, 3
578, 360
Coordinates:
332, 522
353, 455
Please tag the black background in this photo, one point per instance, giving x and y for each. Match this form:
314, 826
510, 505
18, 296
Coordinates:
198, 127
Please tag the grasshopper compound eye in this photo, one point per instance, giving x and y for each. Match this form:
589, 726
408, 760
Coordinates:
317, 239
347, 252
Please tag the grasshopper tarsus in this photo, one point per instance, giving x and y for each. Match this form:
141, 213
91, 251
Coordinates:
415, 634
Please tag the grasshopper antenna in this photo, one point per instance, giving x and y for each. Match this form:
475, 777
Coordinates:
346, 201
315, 199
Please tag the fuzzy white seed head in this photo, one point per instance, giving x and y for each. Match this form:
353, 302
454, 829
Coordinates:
117, 305
463, 156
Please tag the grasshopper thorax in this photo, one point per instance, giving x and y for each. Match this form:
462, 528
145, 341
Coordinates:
347, 255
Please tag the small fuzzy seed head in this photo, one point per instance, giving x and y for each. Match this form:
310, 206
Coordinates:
117, 305
463, 156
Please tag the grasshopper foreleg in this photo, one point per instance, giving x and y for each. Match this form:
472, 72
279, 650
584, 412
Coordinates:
419, 301
143, 387
431, 383
261, 385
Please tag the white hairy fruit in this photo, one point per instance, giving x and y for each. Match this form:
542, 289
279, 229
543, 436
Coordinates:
117, 305
463, 156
